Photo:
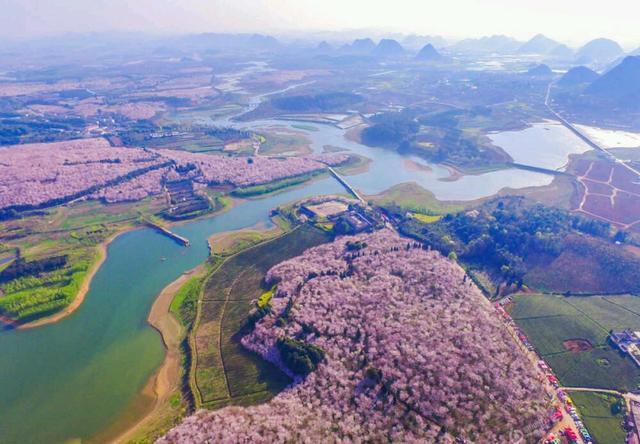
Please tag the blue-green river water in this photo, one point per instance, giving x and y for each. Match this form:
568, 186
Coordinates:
72, 379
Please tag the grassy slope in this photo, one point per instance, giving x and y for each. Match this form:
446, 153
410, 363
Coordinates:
412, 197
225, 372
75, 230
550, 320
183, 305
277, 185
291, 144
595, 410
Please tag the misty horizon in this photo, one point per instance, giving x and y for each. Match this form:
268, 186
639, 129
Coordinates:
285, 19
337, 38
304, 221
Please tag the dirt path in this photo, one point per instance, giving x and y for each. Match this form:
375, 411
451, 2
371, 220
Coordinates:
584, 179
166, 380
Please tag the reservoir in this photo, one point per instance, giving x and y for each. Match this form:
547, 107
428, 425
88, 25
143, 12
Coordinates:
72, 379
543, 145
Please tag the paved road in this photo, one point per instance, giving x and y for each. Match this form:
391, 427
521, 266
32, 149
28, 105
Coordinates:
584, 137
567, 420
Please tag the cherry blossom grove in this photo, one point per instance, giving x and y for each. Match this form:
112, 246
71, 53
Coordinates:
412, 353
49, 173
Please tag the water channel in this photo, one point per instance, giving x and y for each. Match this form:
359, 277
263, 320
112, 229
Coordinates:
72, 379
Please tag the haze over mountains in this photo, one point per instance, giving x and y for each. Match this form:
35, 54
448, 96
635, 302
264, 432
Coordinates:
429, 54
388, 48
360, 46
590, 96
621, 85
539, 44
578, 76
597, 74
600, 53
540, 70
599, 50
496, 43
416, 42
598, 78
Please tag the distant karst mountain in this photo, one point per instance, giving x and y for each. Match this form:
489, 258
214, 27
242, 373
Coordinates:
415, 42
599, 50
263, 41
429, 54
621, 85
579, 75
493, 44
362, 46
233, 42
562, 52
539, 44
541, 70
324, 48
388, 48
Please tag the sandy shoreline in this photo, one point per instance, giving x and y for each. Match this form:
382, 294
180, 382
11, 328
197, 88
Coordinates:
167, 378
86, 283
454, 173
165, 381
412, 165
84, 288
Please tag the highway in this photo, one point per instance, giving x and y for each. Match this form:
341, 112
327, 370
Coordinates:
584, 137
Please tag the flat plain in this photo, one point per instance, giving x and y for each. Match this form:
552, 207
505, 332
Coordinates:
549, 321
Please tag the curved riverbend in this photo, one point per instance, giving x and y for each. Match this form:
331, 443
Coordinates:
82, 292
73, 378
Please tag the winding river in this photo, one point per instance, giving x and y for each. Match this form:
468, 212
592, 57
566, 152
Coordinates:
72, 379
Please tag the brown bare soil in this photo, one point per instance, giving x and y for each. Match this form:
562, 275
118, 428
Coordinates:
412, 165
608, 192
578, 345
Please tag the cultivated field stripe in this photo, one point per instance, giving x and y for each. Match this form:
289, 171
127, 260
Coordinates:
590, 318
622, 306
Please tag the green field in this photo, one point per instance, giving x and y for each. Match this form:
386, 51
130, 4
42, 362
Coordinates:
277, 185
288, 144
71, 230
596, 411
184, 303
196, 143
33, 296
549, 320
412, 197
225, 372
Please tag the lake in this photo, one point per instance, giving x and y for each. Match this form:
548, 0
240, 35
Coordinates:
609, 138
543, 145
72, 379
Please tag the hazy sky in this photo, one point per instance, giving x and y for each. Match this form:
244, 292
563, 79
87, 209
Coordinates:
572, 21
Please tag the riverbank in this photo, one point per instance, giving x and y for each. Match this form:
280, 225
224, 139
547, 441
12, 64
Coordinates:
165, 382
101, 251
120, 228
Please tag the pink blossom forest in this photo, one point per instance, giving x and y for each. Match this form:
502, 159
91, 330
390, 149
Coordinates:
412, 352
49, 173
